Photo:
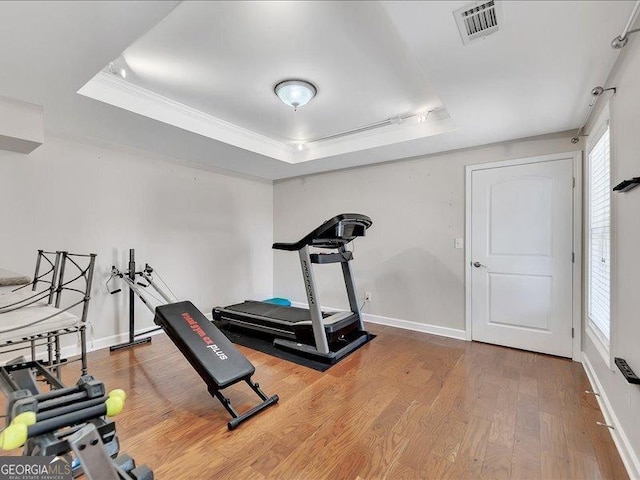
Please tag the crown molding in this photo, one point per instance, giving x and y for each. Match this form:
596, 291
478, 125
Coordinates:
114, 90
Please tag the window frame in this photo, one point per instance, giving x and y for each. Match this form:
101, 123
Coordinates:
600, 342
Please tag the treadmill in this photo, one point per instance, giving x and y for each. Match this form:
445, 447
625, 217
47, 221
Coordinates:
326, 337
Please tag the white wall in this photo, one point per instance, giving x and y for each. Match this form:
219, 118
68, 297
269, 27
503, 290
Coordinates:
407, 260
208, 234
623, 398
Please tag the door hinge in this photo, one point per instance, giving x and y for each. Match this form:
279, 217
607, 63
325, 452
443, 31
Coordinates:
574, 182
573, 332
573, 257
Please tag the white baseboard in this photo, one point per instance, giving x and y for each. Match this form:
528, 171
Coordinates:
100, 343
404, 324
416, 326
92, 344
629, 458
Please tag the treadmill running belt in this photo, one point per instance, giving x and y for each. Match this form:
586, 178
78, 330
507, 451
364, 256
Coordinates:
269, 310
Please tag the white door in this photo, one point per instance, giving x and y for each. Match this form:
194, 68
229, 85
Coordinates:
521, 256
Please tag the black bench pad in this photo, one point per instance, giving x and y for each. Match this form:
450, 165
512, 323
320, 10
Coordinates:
211, 354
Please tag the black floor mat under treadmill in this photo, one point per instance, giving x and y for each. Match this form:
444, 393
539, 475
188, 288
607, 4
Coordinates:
264, 343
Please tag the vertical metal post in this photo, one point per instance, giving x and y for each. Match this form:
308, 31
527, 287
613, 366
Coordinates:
54, 277
83, 348
89, 283
35, 275
85, 311
132, 297
49, 349
58, 358
312, 297
130, 278
61, 280
351, 288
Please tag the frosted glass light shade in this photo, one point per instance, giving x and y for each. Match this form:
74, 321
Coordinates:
295, 93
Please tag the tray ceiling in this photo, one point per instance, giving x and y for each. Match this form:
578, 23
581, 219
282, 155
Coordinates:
201, 74
210, 67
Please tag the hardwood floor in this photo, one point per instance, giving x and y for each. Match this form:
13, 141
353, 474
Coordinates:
405, 406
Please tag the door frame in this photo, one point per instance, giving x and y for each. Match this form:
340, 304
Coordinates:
576, 156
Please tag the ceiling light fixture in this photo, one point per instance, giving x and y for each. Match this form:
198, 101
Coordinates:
295, 93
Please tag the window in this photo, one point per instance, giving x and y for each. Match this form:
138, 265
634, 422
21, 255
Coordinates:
599, 250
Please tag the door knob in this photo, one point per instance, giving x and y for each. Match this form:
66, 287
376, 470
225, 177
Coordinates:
478, 265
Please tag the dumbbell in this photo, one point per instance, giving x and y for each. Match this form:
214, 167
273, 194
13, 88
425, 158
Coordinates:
128, 465
87, 388
27, 425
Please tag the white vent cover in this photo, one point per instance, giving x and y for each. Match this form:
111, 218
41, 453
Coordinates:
478, 20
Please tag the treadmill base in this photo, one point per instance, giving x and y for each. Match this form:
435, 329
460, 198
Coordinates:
358, 339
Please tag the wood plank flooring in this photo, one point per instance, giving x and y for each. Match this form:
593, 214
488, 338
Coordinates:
405, 406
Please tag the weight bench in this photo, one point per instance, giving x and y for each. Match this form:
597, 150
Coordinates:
211, 354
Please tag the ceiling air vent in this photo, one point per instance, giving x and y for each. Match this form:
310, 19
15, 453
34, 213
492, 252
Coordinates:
478, 20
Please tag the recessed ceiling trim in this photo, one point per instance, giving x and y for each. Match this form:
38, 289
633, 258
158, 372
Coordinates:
114, 90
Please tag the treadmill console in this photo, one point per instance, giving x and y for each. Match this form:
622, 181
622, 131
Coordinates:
333, 233
346, 228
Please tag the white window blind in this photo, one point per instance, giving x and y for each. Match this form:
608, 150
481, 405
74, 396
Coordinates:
599, 232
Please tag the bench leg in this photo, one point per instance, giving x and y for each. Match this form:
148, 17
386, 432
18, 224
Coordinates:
239, 418
226, 402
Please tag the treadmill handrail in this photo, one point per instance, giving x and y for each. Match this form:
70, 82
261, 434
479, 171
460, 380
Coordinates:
326, 235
